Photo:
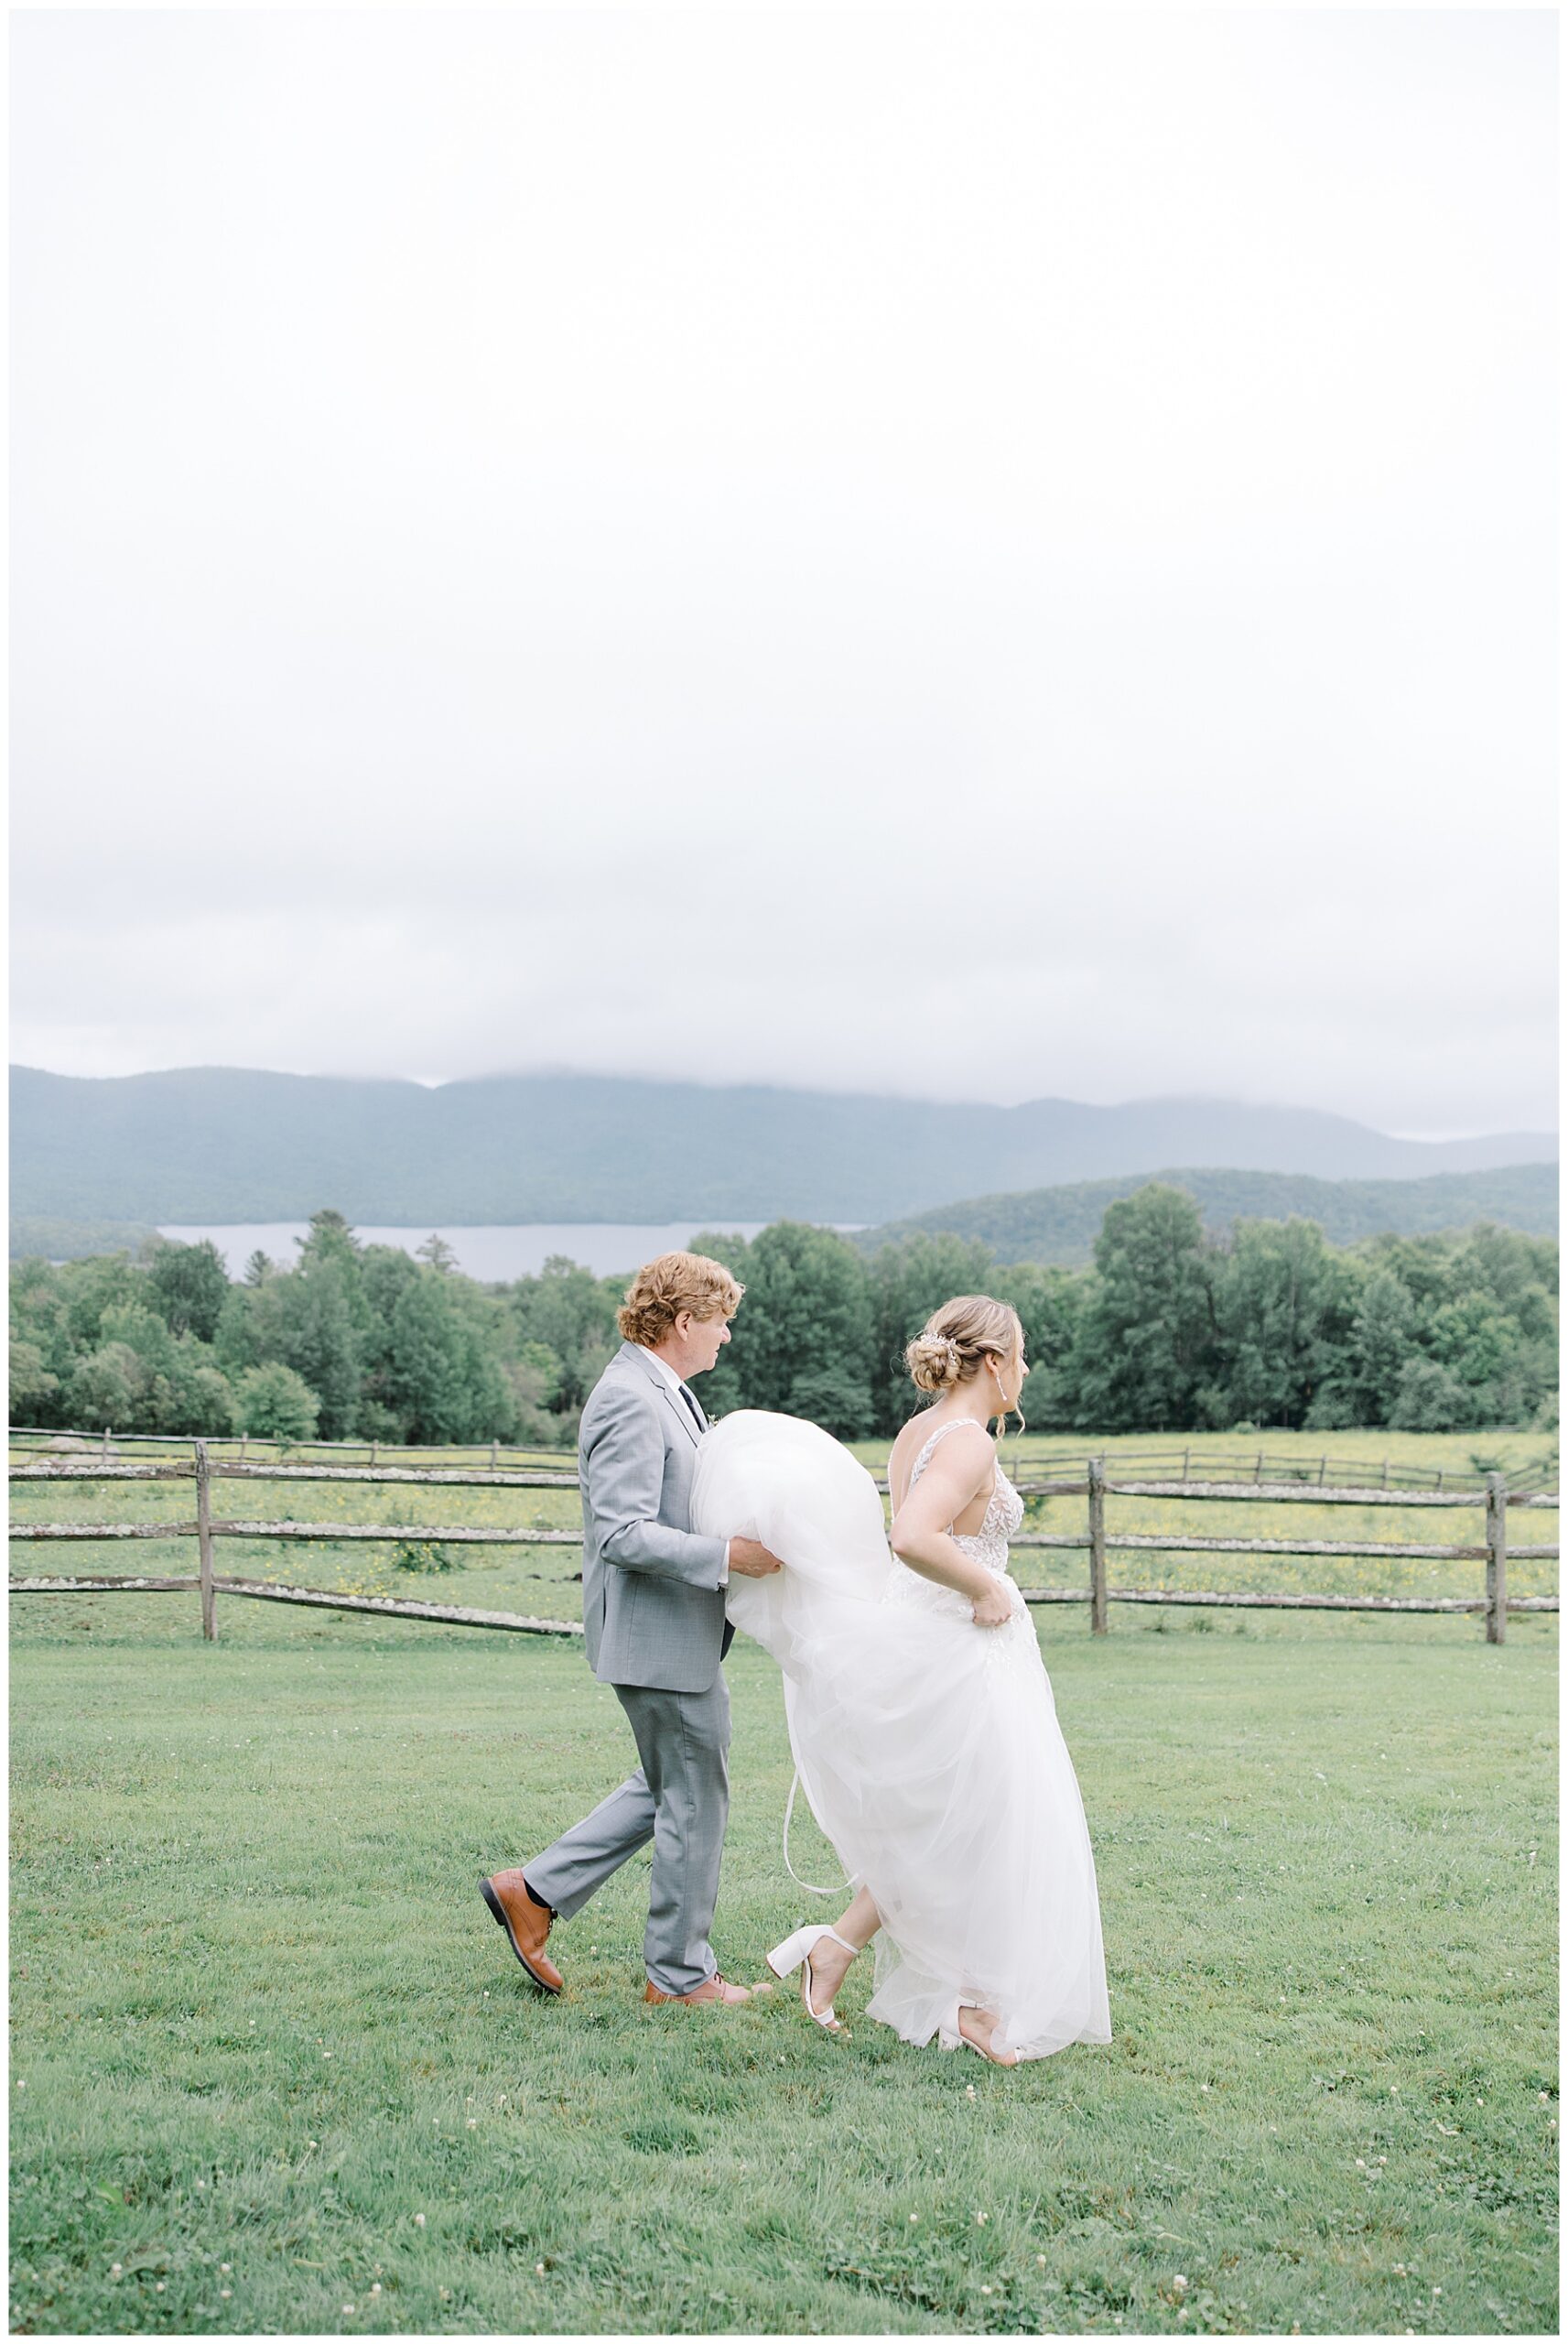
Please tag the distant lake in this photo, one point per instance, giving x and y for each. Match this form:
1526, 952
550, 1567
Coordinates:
490, 1254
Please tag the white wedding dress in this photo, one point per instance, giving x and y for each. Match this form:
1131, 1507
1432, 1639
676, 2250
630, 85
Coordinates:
927, 1747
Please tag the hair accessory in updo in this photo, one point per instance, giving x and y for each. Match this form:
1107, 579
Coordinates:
956, 1338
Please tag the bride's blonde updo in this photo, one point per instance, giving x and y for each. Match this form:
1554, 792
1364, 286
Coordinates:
952, 1346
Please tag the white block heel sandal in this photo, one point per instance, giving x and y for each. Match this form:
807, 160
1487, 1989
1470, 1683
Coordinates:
795, 1954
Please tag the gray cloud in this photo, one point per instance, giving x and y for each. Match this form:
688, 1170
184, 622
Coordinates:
963, 554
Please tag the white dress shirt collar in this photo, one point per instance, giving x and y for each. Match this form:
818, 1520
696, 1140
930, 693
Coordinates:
666, 1370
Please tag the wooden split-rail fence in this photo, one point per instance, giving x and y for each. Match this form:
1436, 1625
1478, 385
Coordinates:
204, 1469
1055, 1454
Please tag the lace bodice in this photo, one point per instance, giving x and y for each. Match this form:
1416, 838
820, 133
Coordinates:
1003, 1515
1003, 1512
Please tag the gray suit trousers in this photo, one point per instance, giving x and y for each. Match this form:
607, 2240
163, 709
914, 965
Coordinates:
679, 1798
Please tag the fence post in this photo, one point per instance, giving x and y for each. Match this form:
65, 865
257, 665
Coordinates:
494, 1455
1187, 1461
1497, 1556
1096, 1546
105, 1444
204, 1545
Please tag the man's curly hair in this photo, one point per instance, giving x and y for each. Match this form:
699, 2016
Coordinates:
675, 1282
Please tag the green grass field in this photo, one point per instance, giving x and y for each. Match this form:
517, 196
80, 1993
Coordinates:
273, 2067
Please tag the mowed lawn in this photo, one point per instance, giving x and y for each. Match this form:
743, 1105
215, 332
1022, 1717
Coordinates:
275, 2068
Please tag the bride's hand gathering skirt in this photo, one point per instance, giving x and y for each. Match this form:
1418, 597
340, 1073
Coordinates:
928, 1749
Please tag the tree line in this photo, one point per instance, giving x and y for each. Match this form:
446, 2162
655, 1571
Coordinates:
1171, 1329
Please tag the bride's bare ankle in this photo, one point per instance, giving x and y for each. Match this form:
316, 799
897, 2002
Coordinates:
980, 2027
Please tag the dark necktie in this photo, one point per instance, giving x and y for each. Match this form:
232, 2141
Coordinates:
697, 1418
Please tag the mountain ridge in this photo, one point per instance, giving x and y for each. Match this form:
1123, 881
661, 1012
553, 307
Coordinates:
237, 1144
1057, 1226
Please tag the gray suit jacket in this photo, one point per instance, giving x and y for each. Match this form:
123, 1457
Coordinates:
652, 1602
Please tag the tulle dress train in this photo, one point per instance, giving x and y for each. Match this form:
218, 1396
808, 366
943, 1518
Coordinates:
928, 1748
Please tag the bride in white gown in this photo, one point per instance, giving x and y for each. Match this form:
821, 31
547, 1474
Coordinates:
920, 1713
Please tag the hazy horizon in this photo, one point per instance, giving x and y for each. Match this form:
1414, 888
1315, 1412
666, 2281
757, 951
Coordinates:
837, 1091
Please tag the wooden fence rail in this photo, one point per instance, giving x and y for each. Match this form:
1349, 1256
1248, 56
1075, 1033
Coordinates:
1387, 1473
203, 1468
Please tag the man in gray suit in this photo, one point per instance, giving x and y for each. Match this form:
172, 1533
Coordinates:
653, 1624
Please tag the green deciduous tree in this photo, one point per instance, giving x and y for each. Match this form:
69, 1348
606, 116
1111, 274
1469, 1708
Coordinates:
321, 1329
834, 1398
1050, 1303
1283, 1307
908, 1280
1167, 1331
34, 1386
1430, 1398
802, 1338
534, 1375
572, 1314
107, 1388
273, 1403
1148, 1332
1378, 1343
445, 1383
188, 1287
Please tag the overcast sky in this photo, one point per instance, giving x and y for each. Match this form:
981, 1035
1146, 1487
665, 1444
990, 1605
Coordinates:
974, 554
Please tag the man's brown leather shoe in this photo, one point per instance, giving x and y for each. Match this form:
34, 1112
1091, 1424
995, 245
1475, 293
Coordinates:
526, 1925
713, 1990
